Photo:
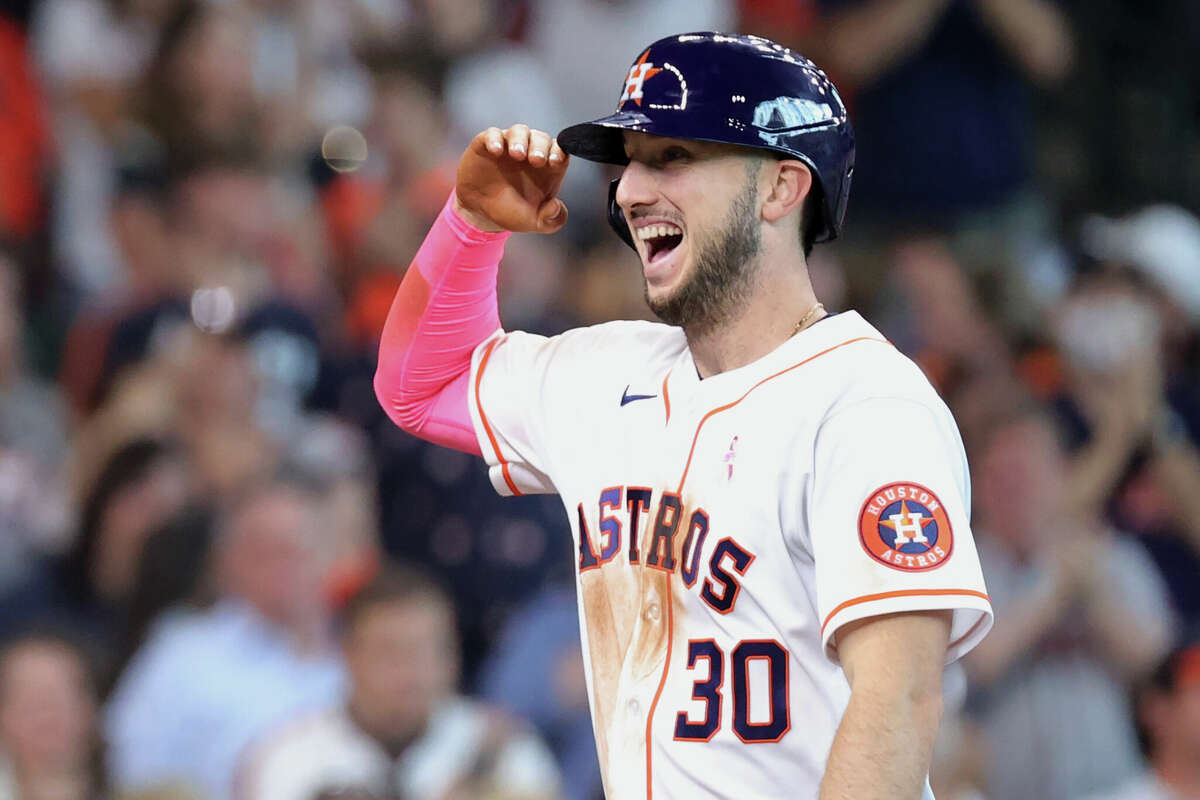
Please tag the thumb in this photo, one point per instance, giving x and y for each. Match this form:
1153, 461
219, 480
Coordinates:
552, 215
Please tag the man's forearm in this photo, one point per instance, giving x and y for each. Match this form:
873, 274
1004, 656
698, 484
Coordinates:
883, 746
1036, 35
1134, 638
445, 306
871, 37
1022, 625
1177, 468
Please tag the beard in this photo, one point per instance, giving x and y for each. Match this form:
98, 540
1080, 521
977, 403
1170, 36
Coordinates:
725, 266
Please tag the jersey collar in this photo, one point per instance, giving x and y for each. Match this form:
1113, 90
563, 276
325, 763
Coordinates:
685, 386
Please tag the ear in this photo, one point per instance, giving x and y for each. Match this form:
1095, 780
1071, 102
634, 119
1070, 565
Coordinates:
788, 182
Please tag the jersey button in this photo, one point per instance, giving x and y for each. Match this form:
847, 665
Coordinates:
634, 707
653, 612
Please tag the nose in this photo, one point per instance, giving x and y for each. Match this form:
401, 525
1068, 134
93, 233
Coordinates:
636, 187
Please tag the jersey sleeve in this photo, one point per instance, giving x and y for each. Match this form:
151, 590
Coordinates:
535, 401
889, 520
509, 375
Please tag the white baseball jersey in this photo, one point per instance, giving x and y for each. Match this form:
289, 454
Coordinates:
726, 529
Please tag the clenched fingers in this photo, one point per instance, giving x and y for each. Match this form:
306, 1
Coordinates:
539, 147
518, 141
522, 143
493, 140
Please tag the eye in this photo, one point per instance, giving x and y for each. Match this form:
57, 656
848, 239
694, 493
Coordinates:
674, 153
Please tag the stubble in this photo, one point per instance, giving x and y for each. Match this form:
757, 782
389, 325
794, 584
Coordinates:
725, 267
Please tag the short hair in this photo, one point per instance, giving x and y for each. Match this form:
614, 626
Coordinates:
245, 497
396, 583
810, 217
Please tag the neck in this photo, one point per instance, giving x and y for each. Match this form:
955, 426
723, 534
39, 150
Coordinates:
305, 628
1179, 770
309, 634
765, 319
393, 742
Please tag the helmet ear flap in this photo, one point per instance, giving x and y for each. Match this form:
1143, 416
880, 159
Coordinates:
616, 217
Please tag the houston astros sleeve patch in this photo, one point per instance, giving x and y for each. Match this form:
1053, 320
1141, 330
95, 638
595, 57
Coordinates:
905, 526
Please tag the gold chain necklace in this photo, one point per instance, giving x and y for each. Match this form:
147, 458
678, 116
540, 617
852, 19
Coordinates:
804, 320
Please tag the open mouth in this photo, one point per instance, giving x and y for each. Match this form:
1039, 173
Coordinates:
660, 240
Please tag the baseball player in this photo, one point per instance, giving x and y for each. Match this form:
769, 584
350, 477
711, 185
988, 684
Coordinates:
770, 504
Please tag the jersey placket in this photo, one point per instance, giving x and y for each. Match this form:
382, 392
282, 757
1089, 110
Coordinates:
643, 675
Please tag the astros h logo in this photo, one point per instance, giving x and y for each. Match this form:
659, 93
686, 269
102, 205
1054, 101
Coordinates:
905, 526
641, 71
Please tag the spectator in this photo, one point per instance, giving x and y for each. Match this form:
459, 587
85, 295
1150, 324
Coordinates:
1169, 713
181, 383
942, 82
944, 123
1131, 393
402, 731
1080, 609
138, 222
91, 55
207, 683
935, 314
88, 589
200, 83
173, 569
49, 744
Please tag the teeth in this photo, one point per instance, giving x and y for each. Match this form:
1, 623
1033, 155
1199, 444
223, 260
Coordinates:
655, 231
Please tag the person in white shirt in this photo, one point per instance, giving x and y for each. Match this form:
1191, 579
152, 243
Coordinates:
208, 683
1084, 613
402, 731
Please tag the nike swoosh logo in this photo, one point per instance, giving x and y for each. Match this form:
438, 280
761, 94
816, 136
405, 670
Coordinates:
627, 398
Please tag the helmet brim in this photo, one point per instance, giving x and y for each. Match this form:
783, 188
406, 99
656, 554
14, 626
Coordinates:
601, 139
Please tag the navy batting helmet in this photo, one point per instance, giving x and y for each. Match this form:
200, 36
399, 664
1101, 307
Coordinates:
742, 90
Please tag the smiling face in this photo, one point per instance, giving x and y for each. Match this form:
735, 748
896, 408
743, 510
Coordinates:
693, 209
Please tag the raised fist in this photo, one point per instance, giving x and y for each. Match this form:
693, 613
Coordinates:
509, 180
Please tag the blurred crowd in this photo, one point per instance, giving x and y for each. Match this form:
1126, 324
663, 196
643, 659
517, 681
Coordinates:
224, 573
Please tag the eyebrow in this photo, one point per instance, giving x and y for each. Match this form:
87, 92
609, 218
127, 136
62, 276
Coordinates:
693, 146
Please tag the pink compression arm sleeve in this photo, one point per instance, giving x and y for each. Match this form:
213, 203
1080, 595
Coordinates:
443, 309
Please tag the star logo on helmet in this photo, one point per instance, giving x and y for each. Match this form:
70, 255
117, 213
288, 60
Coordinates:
641, 71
